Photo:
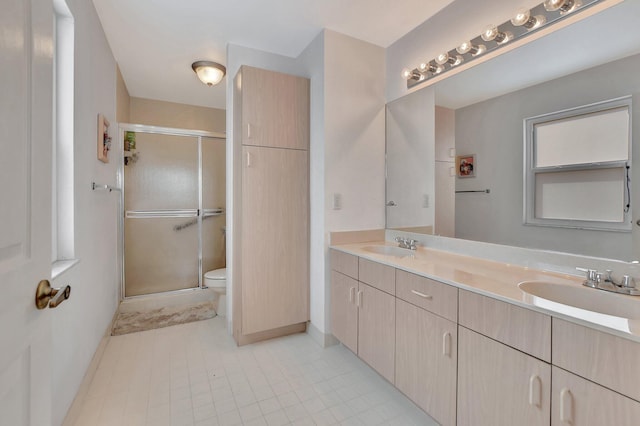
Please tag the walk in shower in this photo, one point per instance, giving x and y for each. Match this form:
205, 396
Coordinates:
173, 208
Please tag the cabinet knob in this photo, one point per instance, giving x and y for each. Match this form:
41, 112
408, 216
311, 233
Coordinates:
446, 344
566, 406
535, 391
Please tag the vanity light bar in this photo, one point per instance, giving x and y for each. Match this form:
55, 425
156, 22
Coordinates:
524, 23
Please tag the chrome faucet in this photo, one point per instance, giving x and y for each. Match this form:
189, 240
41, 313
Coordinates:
407, 243
595, 280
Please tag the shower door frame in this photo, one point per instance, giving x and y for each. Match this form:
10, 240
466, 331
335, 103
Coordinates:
143, 128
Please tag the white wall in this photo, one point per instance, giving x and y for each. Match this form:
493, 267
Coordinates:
80, 323
312, 62
493, 130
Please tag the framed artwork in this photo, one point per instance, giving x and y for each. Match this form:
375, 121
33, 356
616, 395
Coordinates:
104, 140
466, 166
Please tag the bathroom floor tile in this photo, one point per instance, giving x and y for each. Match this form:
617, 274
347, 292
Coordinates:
194, 374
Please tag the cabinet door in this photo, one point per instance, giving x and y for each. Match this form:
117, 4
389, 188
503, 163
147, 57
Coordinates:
275, 238
498, 385
275, 109
344, 313
377, 329
426, 361
579, 402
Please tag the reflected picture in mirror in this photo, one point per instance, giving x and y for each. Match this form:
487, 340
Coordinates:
466, 166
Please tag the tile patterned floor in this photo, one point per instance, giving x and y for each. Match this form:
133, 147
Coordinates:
193, 374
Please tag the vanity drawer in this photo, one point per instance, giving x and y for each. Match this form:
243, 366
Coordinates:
344, 263
525, 330
602, 357
377, 275
436, 297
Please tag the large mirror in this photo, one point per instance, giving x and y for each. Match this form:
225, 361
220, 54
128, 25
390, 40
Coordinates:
477, 116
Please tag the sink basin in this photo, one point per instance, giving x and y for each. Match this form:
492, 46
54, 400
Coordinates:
389, 251
584, 298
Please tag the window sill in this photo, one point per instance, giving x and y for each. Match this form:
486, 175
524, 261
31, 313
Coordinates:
59, 267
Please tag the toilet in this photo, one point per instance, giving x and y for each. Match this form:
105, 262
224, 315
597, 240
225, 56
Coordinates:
216, 280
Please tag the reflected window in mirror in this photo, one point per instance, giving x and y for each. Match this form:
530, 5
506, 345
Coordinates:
577, 167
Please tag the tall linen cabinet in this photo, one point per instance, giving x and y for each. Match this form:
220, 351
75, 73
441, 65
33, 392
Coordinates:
271, 204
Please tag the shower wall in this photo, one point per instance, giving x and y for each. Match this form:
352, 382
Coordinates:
171, 214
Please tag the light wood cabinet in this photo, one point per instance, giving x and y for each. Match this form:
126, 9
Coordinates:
344, 263
426, 361
344, 311
377, 275
512, 325
602, 357
377, 329
579, 402
498, 385
271, 211
436, 297
275, 109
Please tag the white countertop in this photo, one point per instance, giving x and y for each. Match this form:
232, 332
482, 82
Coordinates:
500, 281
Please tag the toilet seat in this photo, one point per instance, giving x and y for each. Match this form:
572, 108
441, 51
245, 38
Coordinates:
216, 274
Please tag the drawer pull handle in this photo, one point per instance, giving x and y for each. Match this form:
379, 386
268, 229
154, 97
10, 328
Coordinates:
248, 130
535, 391
566, 406
446, 344
248, 159
351, 293
424, 296
359, 301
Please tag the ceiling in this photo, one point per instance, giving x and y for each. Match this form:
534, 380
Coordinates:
155, 41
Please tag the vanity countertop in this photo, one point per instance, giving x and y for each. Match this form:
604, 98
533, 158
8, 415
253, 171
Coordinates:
500, 281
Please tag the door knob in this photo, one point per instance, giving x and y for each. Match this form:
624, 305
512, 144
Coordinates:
49, 296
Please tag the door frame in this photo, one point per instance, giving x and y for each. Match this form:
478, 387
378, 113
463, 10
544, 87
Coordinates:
171, 131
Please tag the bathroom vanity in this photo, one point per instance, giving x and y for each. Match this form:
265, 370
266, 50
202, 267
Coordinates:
460, 338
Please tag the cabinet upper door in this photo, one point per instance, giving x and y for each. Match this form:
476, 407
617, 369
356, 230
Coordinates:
275, 109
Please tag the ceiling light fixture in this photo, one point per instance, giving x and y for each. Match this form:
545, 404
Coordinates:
523, 23
210, 73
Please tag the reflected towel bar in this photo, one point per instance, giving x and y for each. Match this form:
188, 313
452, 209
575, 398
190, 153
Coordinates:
99, 187
485, 191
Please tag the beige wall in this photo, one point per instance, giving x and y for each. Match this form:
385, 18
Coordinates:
169, 114
123, 100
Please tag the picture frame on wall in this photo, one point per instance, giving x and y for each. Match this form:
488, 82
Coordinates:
466, 166
104, 140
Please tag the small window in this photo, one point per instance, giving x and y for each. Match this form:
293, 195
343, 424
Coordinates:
577, 167
62, 243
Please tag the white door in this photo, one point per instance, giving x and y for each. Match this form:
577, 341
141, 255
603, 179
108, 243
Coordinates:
26, 50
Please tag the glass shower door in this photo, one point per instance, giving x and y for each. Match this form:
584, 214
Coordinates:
161, 225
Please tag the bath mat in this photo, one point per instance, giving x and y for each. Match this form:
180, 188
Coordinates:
131, 322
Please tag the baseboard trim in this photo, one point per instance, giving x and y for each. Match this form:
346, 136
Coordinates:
74, 411
323, 339
246, 339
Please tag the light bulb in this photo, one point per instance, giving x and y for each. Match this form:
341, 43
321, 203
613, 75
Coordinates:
456, 61
423, 67
521, 18
437, 69
492, 33
467, 47
564, 6
464, 47
442, 58
406, 73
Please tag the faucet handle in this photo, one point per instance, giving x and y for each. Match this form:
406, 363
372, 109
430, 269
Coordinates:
628, 282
